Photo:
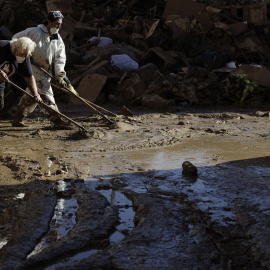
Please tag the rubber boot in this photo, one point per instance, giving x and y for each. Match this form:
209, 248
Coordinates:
58, 122
18, 118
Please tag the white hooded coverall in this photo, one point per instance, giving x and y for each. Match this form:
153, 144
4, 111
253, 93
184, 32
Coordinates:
46, 52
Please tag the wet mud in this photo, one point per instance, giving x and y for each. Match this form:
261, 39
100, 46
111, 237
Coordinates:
119, 199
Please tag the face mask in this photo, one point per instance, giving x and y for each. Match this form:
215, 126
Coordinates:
54, 30
20, 59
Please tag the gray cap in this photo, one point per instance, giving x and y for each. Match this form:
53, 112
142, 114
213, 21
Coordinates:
54, 15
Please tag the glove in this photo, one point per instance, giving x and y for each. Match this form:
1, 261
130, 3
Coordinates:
60, 80
71, 89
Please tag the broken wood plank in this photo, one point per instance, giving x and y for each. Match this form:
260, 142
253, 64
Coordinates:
90, 86
82, 16
94, 68
90, 64
95, 29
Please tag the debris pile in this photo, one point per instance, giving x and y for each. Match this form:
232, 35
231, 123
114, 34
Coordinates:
163, 55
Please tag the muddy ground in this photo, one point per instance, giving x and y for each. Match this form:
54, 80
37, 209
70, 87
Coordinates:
118, 200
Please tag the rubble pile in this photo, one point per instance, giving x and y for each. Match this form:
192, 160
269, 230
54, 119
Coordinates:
163, 55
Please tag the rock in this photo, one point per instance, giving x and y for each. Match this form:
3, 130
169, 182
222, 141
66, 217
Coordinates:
189, 168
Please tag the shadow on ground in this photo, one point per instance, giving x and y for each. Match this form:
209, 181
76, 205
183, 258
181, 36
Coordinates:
217, 220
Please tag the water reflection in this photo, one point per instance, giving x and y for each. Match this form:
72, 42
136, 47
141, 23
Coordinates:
62, 222
126, 213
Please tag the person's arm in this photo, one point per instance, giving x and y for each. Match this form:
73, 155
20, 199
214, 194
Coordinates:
3, 76
65, 82
31, 83
60, 58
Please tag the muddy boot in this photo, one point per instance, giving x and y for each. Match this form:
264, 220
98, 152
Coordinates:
18, 118
58, 122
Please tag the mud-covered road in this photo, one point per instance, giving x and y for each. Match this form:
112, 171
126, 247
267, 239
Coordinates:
118, 200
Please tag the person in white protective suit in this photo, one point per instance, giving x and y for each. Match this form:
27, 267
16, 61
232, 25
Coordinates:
50, 55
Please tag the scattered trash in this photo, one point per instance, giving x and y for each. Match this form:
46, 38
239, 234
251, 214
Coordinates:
194, 45
101, 42
123, 63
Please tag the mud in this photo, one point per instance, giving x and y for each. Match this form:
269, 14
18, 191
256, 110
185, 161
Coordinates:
117, 199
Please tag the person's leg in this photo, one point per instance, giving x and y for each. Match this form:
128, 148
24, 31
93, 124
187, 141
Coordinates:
26, 106
46, 93
2, 95
53, 116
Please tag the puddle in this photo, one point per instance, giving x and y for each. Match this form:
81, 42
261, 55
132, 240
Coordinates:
64, 218
126, 216
61, 185
126, 213
20, 196
201, 152
167, 162
62, 222
3, 242
209, 199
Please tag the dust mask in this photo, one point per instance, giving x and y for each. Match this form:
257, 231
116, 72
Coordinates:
54, 30
20, 59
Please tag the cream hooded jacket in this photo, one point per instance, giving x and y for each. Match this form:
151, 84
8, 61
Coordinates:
46, 52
